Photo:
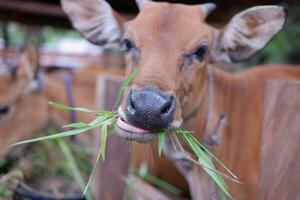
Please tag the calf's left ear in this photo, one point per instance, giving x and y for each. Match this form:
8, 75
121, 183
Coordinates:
28, 67
247, 33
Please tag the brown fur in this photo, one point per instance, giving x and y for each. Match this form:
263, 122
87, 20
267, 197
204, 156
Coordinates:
240, 98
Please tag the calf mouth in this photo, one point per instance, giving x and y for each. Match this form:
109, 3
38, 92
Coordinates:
130, 132
133, 133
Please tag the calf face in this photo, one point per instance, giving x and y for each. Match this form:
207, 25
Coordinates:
17, 78
20, 107
173, 46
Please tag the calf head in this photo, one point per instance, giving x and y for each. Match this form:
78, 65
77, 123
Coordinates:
18, 81
17, 77
173, 46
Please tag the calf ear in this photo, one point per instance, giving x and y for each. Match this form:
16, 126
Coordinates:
95, 20
248, 32
28, 67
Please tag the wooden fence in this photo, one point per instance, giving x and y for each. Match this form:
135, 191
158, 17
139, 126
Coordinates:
280, 147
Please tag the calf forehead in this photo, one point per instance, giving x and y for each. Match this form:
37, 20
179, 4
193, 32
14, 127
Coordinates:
169, 25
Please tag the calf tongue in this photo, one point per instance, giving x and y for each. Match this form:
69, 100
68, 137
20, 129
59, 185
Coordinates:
130, 128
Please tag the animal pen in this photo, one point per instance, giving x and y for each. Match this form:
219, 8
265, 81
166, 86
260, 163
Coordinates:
280, 127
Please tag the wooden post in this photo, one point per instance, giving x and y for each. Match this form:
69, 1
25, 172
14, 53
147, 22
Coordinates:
144, 191
108, 180
280, 164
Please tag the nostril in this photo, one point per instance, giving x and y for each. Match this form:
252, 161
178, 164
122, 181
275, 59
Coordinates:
166, 108
132, 104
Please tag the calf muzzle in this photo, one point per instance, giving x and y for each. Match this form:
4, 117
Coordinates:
149, 108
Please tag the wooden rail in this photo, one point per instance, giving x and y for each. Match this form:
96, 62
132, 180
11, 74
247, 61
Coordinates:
109, 182
33, 7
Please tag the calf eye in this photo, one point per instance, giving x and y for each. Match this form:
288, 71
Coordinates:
4, 110
127, 45
200, 52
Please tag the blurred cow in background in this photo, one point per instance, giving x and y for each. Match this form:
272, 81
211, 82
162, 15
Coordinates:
25, 92
19, 98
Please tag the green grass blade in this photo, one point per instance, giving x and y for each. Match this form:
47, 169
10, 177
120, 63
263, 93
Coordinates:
215, 158
125, 83
93, 171
73, 166
95, 123
105, 130
142, 172
77, 125
203, 159
103, 139
163, 185
209, 153
161, 141
54, 136
64, 107
101, 120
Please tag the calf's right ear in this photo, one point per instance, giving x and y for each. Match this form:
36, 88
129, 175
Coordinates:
95, 20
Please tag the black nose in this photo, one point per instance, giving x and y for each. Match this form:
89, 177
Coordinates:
149, 108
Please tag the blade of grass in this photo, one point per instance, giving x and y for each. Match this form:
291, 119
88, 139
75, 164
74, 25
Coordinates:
214, 170
64, 107
79, 109
204, 160
103, 138
124, 85
73, 166
215, 158
101, 152
143, 170
101, 120
162, 184
55, 136
206, 164
143, 174
218, 180
161, 141
95, 123
210, 154
76, 125
98, 159
173, 143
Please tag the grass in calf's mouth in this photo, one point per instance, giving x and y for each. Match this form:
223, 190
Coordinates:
106, 121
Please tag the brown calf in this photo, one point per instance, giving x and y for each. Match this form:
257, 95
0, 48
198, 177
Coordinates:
178, 53
25, 93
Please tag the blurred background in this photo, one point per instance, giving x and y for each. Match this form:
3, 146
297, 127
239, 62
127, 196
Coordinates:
43, 23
